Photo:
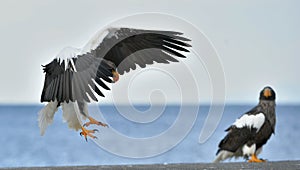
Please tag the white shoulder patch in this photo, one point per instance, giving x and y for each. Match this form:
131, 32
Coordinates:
95, 41
255, 121
67, 54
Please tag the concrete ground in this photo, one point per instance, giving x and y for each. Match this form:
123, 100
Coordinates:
280, 165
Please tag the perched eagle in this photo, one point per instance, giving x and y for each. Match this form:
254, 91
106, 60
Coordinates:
75, 77
251, 131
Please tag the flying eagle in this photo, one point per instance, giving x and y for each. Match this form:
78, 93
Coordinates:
75, 77
246, 136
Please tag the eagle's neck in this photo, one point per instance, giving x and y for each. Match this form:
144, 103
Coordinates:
268, 108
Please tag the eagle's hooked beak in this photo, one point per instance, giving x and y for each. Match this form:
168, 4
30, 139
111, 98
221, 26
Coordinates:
267, 93
115, 76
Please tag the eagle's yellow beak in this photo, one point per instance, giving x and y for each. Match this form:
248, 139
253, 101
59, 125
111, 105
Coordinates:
267, 93
115, 76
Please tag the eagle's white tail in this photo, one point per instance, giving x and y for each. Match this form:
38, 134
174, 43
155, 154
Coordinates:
45, 116
222, 155
69, 115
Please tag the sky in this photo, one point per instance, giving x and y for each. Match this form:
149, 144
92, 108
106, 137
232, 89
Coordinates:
257, 43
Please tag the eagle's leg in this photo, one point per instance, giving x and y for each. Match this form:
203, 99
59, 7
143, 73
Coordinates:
94, 121
115, 76
89, 133
255, 159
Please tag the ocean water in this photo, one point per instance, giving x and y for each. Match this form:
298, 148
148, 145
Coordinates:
22, 145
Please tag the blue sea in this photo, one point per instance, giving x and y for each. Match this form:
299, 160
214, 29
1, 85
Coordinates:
22, 145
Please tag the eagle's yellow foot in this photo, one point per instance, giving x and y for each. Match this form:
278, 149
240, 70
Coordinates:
85, 132
93, 121
255, 159
115, 76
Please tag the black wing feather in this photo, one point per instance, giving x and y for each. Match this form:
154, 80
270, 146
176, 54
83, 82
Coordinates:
146, 40
236, 138
129, 46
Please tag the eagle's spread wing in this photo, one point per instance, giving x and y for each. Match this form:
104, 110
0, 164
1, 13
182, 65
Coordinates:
152, 46
79, 77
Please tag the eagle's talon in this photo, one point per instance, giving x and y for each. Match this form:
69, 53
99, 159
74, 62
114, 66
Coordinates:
86, 124
255, 159
95, 122
102, 124
89, 133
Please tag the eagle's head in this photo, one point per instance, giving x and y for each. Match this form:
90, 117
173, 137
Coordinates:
267, 94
